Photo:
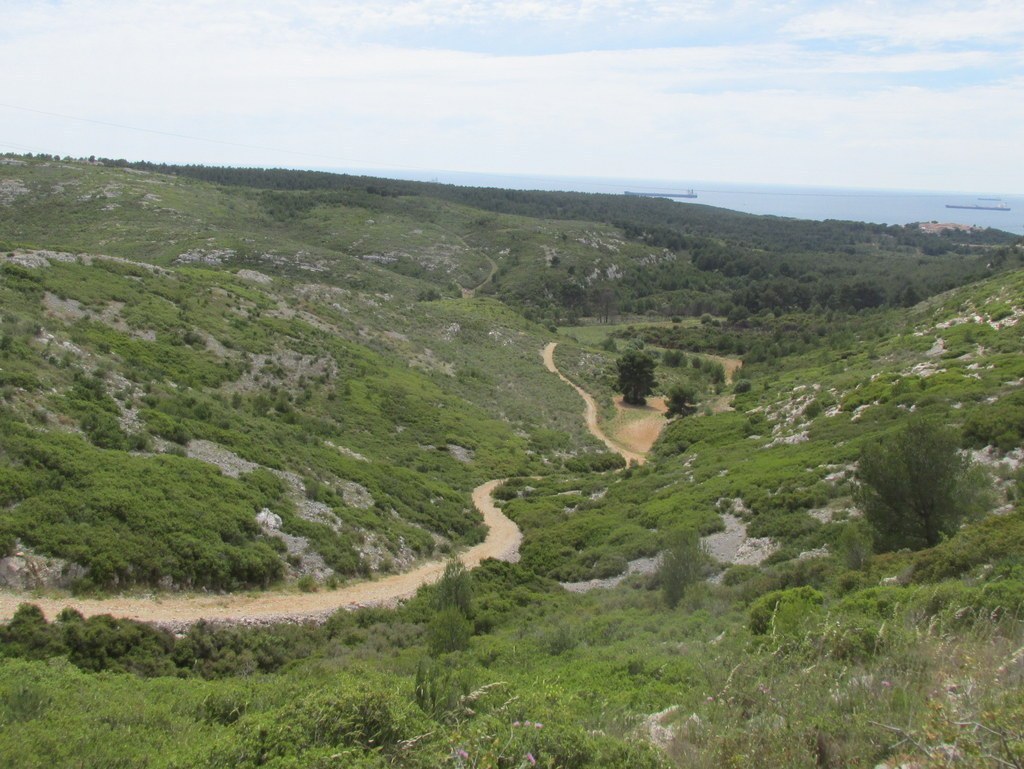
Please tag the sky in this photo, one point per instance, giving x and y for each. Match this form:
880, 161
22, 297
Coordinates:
908, 94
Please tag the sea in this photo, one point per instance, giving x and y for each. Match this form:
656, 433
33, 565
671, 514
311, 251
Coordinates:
879, 206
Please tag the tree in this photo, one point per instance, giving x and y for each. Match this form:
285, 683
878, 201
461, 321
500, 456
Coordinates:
682, 564
855, 544
636, 376
682, 400
916, 487
455, 588
448, 631
450, 628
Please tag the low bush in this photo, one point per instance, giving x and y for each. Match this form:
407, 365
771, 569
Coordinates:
784, 612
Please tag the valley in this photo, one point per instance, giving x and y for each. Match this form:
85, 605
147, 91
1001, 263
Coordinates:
304, 469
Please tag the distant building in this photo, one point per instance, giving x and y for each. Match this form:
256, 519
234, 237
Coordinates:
937, 228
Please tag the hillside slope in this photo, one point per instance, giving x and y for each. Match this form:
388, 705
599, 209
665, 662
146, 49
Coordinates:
203, 424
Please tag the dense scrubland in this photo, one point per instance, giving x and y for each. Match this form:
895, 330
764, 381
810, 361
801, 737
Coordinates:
230, 379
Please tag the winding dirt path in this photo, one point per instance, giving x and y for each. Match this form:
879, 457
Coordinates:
469, 293
178, 611
632, 456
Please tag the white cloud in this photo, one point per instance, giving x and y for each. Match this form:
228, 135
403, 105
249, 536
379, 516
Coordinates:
915, 23
770, 109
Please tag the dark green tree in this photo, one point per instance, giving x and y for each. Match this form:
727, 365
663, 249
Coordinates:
450, 628
455, 588
636, 376
916, 486
28, 635
448, 631
683, 563
682, 400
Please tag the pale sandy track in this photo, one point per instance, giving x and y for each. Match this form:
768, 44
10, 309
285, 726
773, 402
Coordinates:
177, 611
590, 413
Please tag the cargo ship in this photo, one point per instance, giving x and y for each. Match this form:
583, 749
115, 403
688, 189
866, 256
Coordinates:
976, 207
687, 194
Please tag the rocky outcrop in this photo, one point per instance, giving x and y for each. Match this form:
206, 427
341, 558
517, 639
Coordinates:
25, 570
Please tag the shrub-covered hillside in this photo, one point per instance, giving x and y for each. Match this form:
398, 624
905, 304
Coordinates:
225, 379
152, 413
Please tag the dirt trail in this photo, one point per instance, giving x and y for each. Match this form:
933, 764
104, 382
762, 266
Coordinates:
469, 293
178, 611
630, 453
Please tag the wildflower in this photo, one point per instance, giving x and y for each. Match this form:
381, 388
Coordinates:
531, 759
538, 725
886, 684
516, 723
462, 754
711, 699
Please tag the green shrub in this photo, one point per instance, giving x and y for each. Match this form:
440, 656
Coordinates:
365, 719
448, 631
595, 463
981, 543
784, 612
917, 487
855, 544
683, 563
999, 424
455, 589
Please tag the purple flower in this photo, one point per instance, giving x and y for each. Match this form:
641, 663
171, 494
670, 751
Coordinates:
531, 759
462, 754
538, 725
515, 723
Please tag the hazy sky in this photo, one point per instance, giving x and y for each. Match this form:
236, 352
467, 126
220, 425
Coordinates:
912, 94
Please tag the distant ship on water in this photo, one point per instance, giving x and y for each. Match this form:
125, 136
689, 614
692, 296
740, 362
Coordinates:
687, 194
1000, 206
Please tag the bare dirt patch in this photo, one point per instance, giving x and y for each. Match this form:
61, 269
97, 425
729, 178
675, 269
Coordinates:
645, 566
638, 427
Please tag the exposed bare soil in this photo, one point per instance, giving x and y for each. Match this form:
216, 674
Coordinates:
638, 427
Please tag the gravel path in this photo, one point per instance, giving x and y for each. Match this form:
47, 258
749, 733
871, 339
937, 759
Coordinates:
178, 611
590, 413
